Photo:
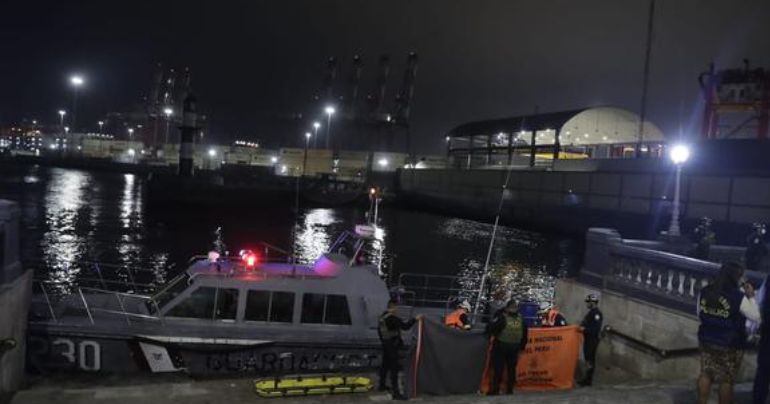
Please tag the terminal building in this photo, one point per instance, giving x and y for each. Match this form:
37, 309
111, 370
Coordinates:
539, 139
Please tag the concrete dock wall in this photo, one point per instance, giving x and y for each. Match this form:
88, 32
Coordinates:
648, 297
658, 328
15, 294
633, 197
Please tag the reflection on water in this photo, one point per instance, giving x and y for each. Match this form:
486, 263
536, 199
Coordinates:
313, 234
71, 217
63, 244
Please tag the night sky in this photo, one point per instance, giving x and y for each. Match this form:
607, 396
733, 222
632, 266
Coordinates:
253, 60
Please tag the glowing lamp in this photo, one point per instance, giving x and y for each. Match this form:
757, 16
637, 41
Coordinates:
249, 258
679, 154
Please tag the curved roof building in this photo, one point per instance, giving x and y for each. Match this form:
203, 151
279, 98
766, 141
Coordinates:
599, 132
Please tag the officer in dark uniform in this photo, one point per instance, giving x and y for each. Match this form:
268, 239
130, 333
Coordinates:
756, 250
592, 327
390, 326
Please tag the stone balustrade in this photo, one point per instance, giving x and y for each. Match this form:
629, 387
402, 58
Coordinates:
644, 271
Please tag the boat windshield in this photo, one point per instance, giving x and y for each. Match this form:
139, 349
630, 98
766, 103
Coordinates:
172, 289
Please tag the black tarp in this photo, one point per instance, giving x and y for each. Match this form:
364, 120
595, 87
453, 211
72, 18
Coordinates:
450, 361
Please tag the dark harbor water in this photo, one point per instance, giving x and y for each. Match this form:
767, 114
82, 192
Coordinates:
72, 219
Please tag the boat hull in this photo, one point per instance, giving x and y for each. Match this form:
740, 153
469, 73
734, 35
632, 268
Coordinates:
60, 352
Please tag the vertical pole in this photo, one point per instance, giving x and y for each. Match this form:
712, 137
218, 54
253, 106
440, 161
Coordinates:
470, 151
489, 149
510, 148
328, 130
556, 145
74, 108
304, 159
673, 229
187, 130
645, 79
533, 148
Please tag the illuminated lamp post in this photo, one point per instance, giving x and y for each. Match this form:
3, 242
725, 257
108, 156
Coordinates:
168, 112
316, 126
77, 82
679, 155
308, 135
61, 120
329, 112
101, 126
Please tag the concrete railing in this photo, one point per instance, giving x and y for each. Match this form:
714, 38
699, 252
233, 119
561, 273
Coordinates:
645, 273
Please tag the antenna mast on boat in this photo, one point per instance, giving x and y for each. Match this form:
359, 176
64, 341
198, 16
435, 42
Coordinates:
485, 274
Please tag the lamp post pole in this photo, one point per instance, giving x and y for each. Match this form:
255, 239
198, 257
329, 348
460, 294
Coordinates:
76, 81
679, 155
673, 228
304, 159
316, 125
329, 112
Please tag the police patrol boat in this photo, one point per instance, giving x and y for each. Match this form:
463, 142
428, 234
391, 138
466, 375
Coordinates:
223, 314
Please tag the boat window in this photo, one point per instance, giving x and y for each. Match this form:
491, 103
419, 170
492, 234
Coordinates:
172, 289
227, 304
200, 304
282, 307
257, 305
323, 309
260, 307
313, 308
337, 310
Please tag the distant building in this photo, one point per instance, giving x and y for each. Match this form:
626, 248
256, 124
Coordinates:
538, 139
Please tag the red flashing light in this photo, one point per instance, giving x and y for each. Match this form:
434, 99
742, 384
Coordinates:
249, 258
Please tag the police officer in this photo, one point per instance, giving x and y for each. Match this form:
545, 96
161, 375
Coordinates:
592, 327
459, 318
390, 326
756, 250
510, 332
704, 238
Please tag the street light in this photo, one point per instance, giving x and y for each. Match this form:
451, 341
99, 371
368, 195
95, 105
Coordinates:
168, 112
130, 134
77, 81
308, 135
316, 126
212, 153
101, 125
679, 155
329, 112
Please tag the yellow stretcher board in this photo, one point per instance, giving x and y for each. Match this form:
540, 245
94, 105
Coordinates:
311, 385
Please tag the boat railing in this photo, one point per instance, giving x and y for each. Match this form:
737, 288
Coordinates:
124, 301
122, 277
269, 253
436, 291
122, 304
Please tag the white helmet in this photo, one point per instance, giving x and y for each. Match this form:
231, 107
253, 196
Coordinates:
465, 305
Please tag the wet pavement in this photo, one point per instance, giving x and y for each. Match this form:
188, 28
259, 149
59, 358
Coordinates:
237, 391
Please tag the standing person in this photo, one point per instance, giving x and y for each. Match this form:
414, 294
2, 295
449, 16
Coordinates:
510, 338
459, 318
553, 318
390, 326
592, 328
704, 238
756, 250
723, 309
762, 377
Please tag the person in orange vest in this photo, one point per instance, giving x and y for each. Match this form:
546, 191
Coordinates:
459, 318
553, 318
